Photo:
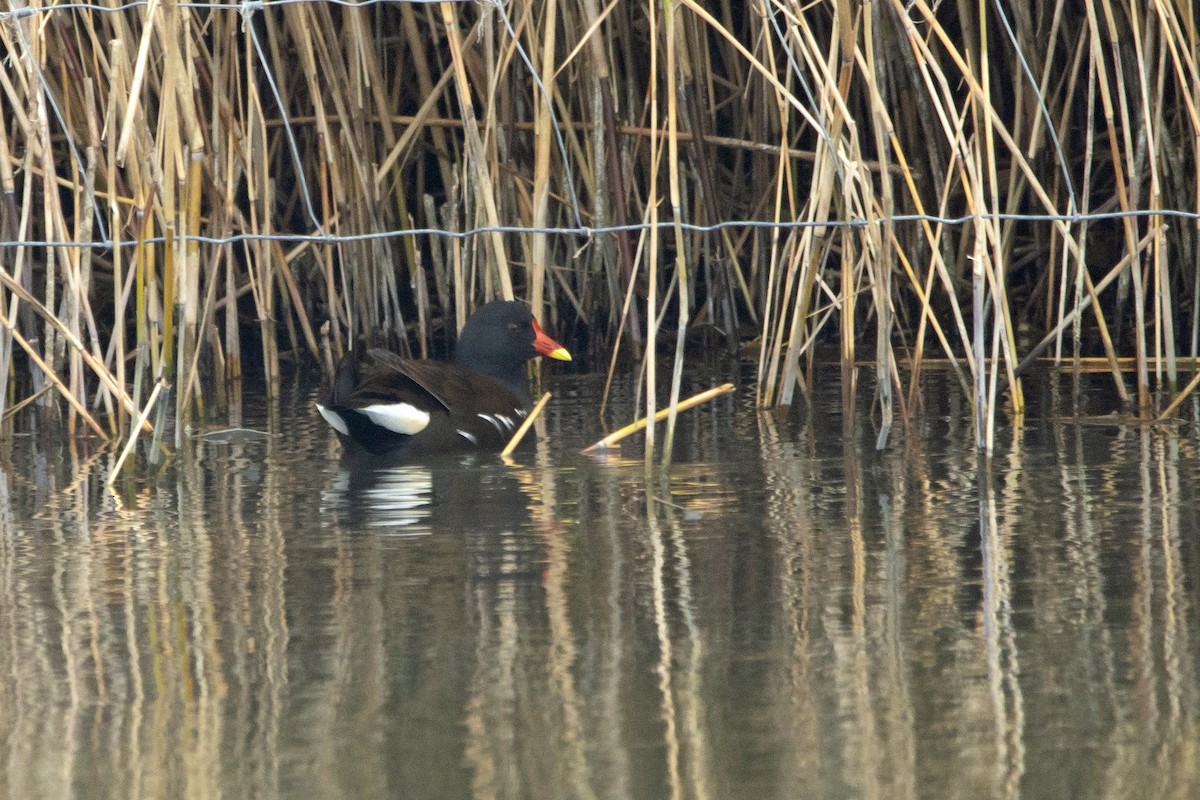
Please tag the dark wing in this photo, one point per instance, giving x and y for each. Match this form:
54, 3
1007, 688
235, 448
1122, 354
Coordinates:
457, 388
380, 376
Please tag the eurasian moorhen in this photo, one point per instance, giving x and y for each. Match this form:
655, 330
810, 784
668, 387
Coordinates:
392, 405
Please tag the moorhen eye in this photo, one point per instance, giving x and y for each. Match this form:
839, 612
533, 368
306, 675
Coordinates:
388, 404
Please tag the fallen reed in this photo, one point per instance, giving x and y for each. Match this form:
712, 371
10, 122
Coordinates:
193, 190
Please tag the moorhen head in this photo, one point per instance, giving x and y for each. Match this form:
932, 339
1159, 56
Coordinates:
391, 405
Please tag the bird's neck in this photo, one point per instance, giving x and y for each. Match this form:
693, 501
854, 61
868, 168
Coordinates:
510, 375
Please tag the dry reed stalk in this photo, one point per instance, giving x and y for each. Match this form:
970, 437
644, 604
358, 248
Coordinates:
610, 159
988, 196
284, 261
1083, 277
399, 194
773, 336
53, 378
884, 239
23, 272
1016, 154
134, 92
462, 284
142, 421
523, 429
652, 252
543, 137
233, 347
190, 330
927, 315
1075, 257
94, 363
9, 227
138, 177
937, 267
783, 186
417, 43
673, 68
20, 406
260, 262
191, 376
144, 261
834, 154
628, 309
1164, 323
646, 422
1179, 398
1119, 173
835, 91
166, 156
87, 213
421, 122
1081, 205
176, 41
52, 219
1094, 291
339, 311
361, 161
938, 85
475, 154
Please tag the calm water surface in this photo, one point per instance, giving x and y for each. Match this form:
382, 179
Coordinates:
790, 615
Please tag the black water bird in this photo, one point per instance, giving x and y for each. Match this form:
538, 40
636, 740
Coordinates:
396, 406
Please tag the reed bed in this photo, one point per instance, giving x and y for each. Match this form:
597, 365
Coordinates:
193, 190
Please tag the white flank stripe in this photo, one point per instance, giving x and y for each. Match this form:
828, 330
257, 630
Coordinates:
334, 419
505, 421
397, 417
470, 437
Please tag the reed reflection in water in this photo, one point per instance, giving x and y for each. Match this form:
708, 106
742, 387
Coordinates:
791, 615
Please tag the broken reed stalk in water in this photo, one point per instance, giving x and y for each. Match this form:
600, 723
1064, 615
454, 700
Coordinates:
1178, 401
683, 405
133, 435
521, 431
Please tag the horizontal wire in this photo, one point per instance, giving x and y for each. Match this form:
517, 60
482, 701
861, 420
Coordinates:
588, 232
237, 5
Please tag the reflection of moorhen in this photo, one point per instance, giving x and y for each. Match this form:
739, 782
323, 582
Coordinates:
373, 494
392, 405
439, 496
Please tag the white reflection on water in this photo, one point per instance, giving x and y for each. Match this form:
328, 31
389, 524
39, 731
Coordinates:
790, 614
398, 498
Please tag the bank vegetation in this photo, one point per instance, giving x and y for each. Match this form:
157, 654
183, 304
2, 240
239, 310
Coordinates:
192, 191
